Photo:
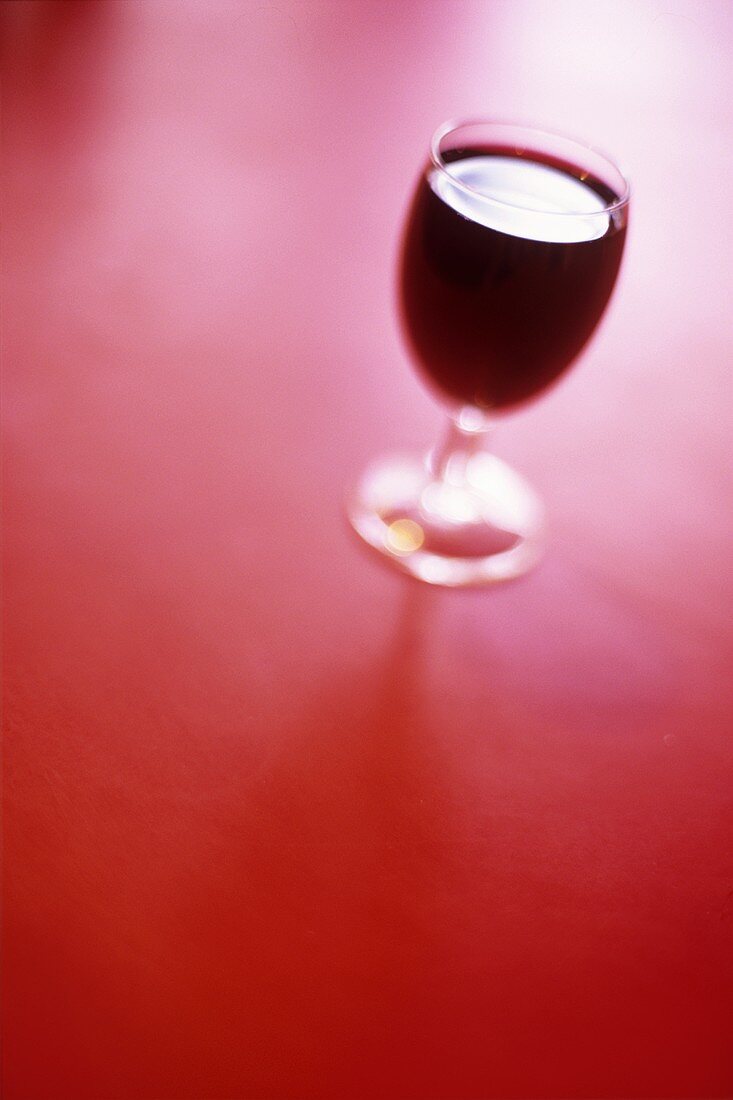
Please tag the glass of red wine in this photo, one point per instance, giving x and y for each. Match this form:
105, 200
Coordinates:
511, 250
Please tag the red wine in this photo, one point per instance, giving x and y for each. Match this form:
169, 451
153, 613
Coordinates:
498, 297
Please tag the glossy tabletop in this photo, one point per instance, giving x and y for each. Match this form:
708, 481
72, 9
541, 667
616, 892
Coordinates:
281, 824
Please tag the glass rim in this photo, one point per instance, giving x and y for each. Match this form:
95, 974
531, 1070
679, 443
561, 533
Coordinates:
456, 124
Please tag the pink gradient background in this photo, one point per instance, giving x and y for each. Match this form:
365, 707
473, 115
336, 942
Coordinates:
279, 823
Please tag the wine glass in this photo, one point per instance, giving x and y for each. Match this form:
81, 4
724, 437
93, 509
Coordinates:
511, 250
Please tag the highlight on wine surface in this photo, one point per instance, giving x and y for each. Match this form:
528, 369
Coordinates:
510, 253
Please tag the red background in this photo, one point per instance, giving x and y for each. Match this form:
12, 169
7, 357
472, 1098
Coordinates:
278, 822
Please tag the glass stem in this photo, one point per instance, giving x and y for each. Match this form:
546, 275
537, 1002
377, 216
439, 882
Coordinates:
465, 437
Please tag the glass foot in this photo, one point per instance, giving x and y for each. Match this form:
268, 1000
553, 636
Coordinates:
481, 526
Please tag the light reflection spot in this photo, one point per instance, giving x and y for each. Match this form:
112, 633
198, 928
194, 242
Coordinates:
404, 536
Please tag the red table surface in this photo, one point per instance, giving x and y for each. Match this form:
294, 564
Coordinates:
280, 823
